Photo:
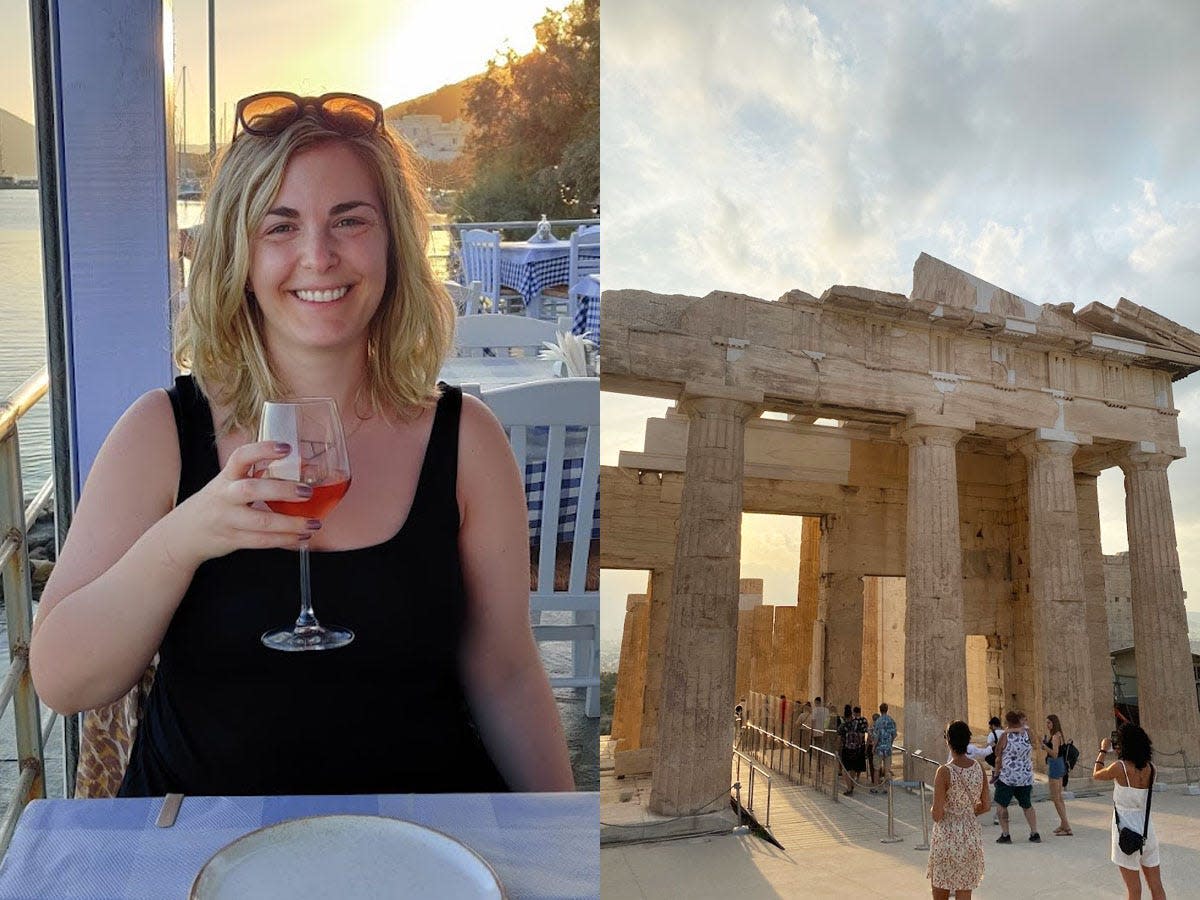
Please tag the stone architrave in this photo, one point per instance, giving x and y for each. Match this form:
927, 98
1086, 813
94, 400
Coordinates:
1060, 637
695, 731
935, 680
1166, 684
1095, 599
631, 674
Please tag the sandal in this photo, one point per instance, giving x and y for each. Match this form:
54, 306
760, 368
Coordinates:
1064, 832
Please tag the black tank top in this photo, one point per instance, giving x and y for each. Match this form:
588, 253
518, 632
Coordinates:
385, 714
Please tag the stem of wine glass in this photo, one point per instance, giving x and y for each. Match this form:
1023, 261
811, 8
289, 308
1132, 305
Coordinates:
307, 619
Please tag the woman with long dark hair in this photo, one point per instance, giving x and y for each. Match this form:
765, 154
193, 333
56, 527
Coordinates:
1134, 775
1056, 768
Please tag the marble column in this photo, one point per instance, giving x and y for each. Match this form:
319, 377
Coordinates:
631, 674
656, 643
695, 731
935, 679
1166, 683
1087, 501
842, 611
872, 650
806, 598
1062, 663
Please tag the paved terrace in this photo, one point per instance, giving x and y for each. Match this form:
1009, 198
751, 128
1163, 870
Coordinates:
835, 849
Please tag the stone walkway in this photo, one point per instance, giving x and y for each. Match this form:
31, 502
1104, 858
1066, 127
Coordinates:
836, 850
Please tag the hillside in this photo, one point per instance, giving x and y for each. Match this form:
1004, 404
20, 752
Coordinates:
18, 150
448, 101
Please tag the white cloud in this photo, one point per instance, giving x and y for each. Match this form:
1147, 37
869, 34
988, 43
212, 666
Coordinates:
1050, 149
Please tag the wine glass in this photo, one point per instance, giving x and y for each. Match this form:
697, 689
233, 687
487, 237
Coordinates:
312, 427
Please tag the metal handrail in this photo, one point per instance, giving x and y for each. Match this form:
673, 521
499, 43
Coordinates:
824, 766
754, 766
15, 520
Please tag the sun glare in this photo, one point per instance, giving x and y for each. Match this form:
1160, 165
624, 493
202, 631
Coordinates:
427, 45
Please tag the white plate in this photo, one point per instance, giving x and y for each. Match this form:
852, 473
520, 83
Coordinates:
347, 857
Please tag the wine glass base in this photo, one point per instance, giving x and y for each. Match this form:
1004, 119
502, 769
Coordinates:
315, 637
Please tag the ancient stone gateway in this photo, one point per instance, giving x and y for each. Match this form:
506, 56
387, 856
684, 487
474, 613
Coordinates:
971, 427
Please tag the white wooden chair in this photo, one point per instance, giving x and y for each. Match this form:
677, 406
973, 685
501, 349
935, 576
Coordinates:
501, 335
467, 297
560, 404
480, 255
585, 260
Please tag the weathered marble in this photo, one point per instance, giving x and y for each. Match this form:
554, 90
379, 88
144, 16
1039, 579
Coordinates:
695, 733
1166, 701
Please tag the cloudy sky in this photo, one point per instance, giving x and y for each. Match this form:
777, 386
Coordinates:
764, 146
390, 50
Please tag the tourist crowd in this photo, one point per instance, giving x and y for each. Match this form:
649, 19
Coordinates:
961, 791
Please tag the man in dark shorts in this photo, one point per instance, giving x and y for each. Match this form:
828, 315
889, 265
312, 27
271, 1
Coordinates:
1013, 776
853, 733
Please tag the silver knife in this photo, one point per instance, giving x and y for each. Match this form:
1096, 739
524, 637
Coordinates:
170, 809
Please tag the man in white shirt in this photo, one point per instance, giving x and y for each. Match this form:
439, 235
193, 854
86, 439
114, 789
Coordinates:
820, 718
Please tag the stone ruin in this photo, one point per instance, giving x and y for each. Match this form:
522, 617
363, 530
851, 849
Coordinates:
993, 414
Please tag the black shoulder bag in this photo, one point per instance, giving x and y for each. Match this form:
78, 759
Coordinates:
1129, 840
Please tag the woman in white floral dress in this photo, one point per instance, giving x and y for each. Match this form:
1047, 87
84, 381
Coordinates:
960, 793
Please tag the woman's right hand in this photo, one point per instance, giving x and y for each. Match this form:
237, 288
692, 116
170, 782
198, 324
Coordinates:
221, 518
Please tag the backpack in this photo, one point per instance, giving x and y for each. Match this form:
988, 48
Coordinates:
853, 738
1070, 754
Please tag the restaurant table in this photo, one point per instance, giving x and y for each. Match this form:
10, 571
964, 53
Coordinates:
531, 267
495, 371
540, 845
587, 316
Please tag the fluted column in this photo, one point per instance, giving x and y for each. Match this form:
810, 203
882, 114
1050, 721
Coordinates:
631, 674
1166, 683
1087, 501
695, 732
1062, 664
935, 679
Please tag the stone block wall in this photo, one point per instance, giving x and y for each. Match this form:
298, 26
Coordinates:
1117, 601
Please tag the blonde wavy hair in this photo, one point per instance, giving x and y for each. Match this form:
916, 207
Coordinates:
218, 333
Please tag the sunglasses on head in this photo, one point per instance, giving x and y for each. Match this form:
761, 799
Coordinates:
269, 113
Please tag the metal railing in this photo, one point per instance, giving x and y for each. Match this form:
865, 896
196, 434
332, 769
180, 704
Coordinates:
15, 522
749, 804
810, 756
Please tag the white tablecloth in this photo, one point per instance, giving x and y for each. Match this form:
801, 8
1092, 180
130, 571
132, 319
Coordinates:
495, 371
541, 845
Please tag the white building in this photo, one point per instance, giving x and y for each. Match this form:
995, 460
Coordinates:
431, 137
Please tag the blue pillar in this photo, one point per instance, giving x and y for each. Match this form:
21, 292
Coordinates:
114, 108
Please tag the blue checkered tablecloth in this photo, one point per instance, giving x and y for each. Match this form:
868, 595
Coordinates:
540, 845
531, 272
587, 318
535, 477
530, 268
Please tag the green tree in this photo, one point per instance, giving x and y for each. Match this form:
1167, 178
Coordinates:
535, 139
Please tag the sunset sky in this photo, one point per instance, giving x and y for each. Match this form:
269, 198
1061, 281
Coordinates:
389, 50
1047, 148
